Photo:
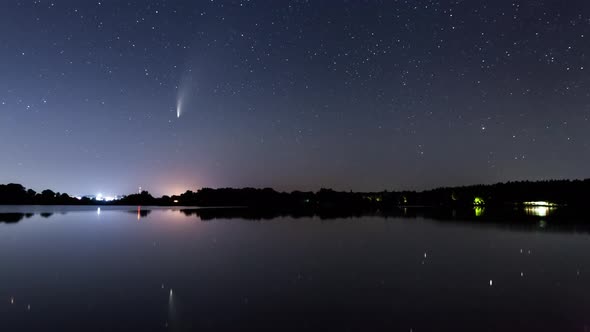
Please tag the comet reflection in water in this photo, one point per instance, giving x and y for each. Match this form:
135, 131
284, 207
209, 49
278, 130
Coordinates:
171, 309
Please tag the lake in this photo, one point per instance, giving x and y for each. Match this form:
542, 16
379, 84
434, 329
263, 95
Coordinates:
161, 269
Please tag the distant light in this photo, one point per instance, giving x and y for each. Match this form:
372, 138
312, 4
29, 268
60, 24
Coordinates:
100, 197
539, 203
491, 282
175, 201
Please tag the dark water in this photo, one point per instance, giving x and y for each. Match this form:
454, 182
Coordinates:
167, 270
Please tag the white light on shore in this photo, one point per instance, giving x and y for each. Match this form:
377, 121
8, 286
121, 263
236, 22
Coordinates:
540, 203
102, 198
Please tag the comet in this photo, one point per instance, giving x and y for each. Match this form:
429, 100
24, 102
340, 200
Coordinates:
183, 94
179, 106
180, 100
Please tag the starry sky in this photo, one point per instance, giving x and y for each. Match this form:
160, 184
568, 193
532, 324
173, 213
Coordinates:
351, 95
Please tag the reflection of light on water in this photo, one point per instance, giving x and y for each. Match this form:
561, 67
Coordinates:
539, 208
539, 211
479, 210
171, 308
98, 211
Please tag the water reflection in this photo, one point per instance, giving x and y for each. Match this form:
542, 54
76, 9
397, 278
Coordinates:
479, 210
206, 214
140, 212
527, 217
11, 218
171, 308
384, 272
539, 211
539, 208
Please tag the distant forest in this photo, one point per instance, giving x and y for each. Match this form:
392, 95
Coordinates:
563, 192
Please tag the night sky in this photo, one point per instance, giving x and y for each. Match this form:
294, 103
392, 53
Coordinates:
107, 96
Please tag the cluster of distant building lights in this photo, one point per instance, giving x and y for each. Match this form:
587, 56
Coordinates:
101, 198
534, 208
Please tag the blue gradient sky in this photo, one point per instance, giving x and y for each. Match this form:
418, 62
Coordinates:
353, 95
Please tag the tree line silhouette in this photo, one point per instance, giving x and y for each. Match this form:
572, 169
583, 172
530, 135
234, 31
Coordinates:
17, 194
563, 192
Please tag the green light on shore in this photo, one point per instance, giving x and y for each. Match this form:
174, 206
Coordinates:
479, 210
478, 201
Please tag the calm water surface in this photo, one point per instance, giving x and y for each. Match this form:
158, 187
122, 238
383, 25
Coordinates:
81, 269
